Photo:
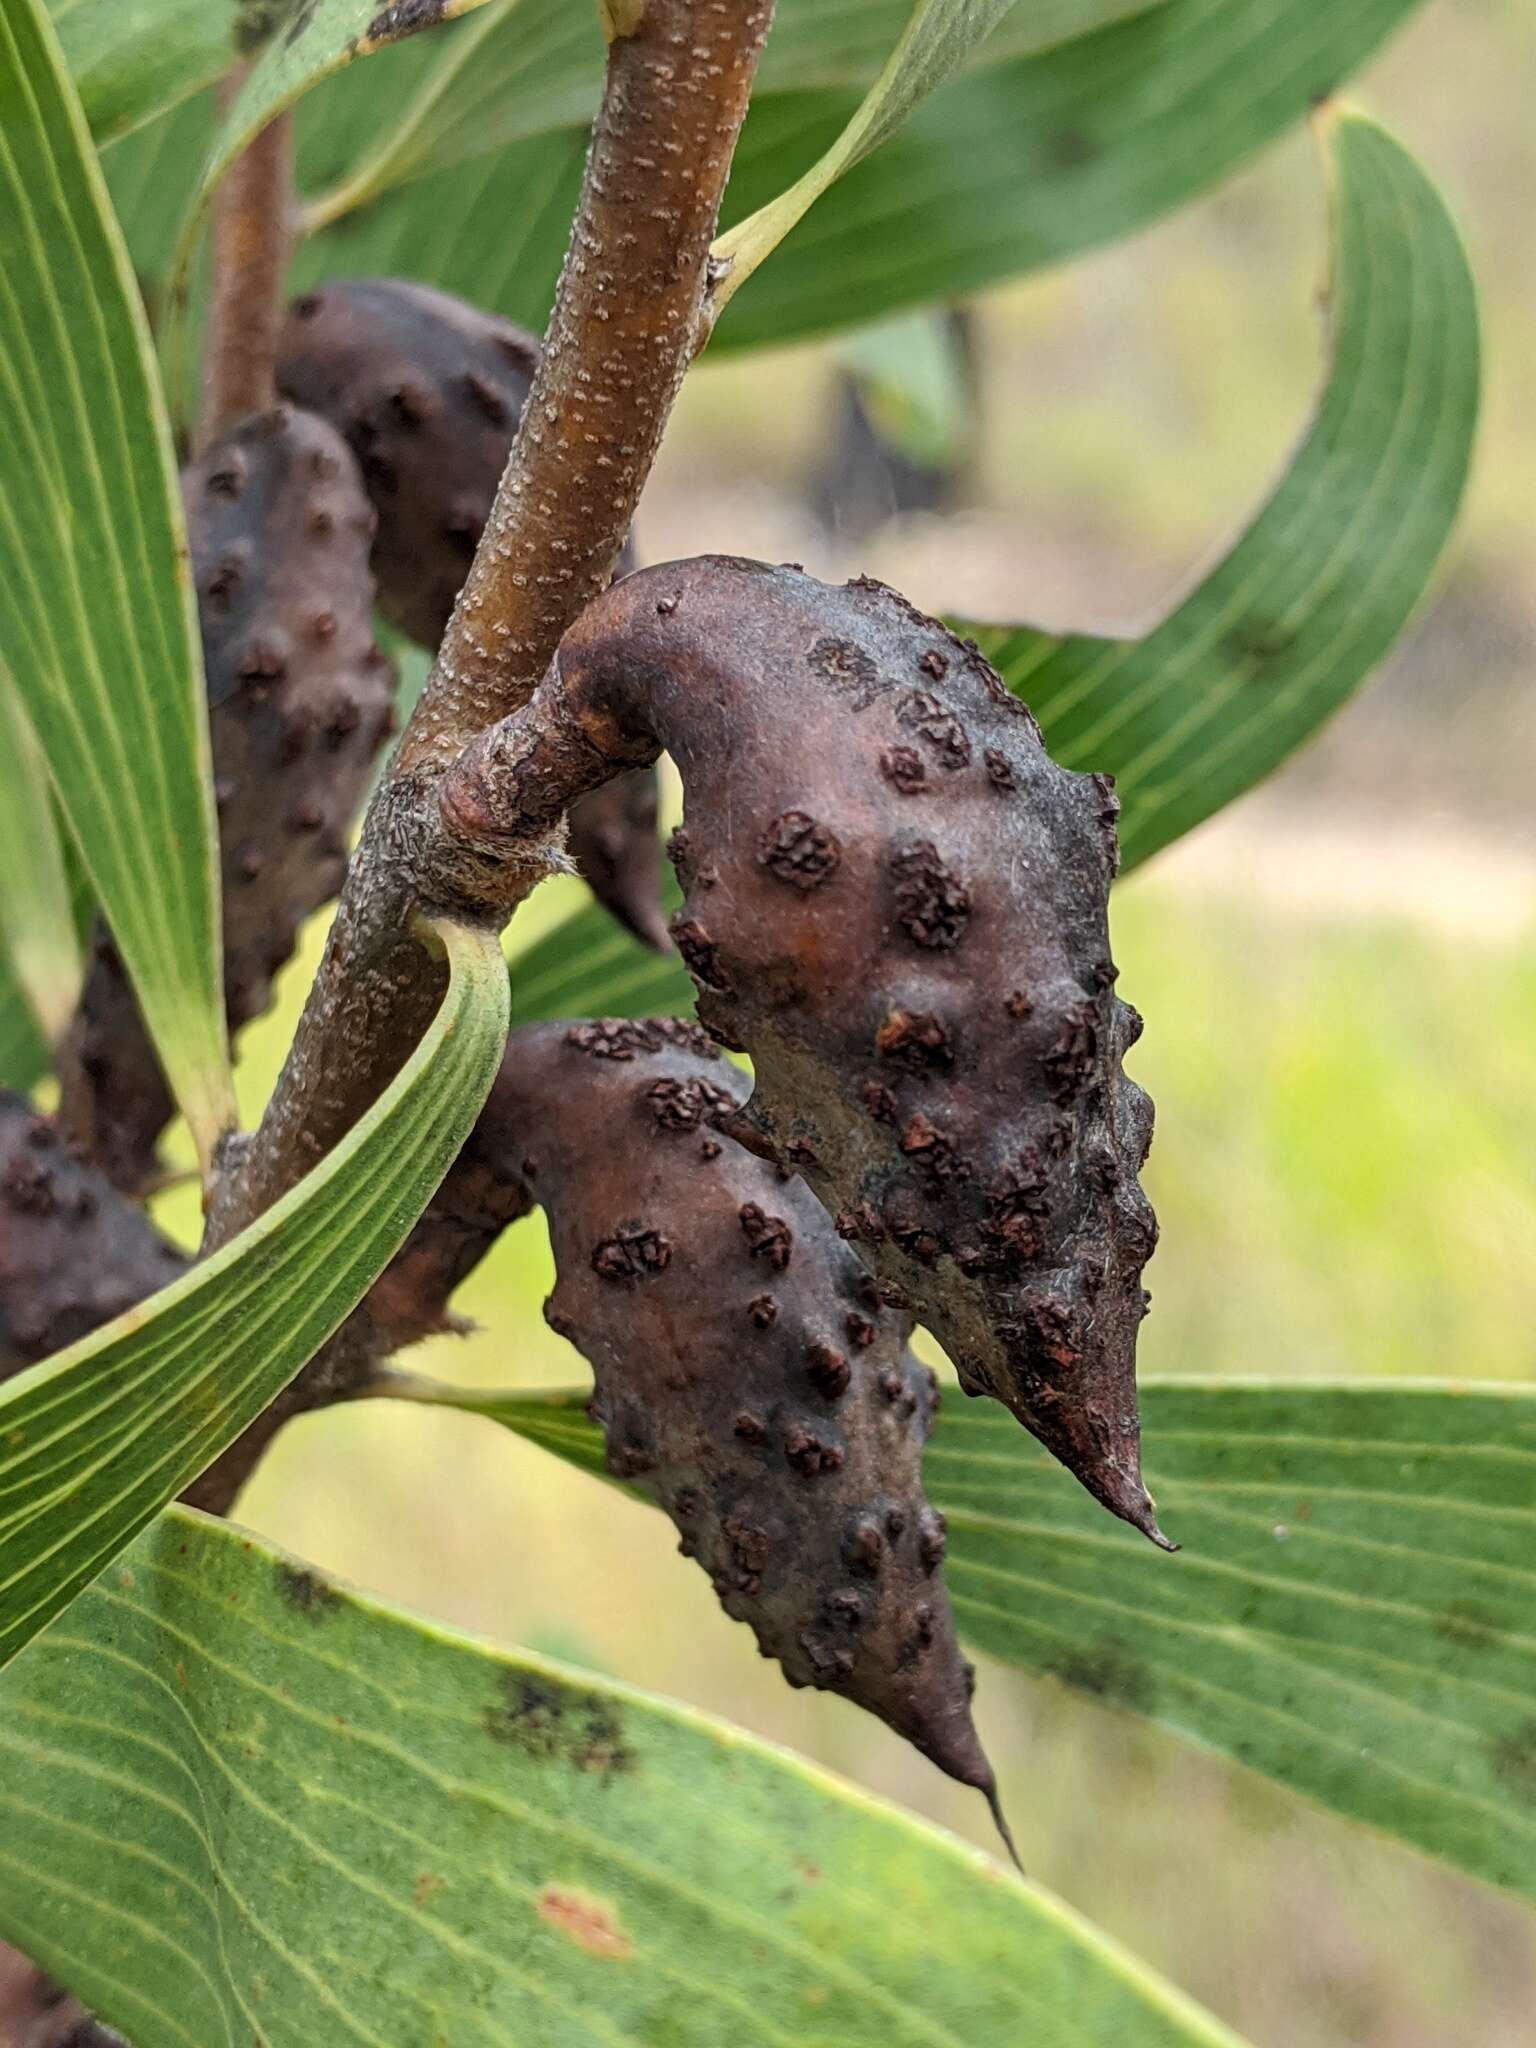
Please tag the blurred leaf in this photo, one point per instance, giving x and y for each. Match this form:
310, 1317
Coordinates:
244, 1802
1353, 1612
588, 967
938, 37
97, 623
37, 924
914, 385
23, 1056
95, 1440
523, 67
132, 58
1273, 640
1013, 166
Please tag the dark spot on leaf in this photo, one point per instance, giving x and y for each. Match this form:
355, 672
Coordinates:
556, 1724
1109, 1671
306, 1592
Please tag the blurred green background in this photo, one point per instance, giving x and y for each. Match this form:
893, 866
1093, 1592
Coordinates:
1340, 986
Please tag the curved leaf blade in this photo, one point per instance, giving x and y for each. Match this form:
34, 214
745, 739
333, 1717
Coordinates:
94, 1441
938, 37
23, 1055
132, 58
526, 66
1029, 163
1012, 166
97, 624
37, 921
588, 966
1353, 1612
244, 1802
1277, 636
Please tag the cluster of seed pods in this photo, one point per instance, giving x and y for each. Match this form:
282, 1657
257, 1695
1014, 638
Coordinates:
748, 1376
300, 700
896, 902
428, 392
73, 1252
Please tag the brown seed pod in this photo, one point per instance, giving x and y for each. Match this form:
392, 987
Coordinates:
747, 1375
300, 700
73, 1253
896, 902
428, 391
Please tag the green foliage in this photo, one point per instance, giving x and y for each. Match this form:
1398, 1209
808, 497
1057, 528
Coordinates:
37, 927
96, 1439
97, 625
23, 1055
938, 38
242, 1803
1349, 1613
1322, 580
1015, 165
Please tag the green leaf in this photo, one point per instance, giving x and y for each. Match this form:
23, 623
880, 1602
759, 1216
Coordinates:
938, 37
97, 623
37, 924
1274, 639
523, 67
1013, 166
95, 1440
588, 967
243, 1803
23, 1055
325, 37
131, 58
1353, 1612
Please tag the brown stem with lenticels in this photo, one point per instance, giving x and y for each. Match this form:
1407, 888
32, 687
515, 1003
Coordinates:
252, 235
625, 326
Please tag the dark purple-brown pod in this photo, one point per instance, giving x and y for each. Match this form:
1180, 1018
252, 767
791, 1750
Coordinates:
747, 1375
428, 391
73, 1253
300, 700
895, 901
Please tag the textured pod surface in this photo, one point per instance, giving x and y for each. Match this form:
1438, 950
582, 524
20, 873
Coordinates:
896, 902
73, 1253
748, 1376
300, 700
428, 391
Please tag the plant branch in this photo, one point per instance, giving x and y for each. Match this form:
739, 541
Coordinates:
626, 323
252, 228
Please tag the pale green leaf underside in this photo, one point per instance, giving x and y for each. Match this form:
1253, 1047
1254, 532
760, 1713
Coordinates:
1353, 1612
37, 926
95, 1440
1294, 617
241, 1804
938, 38
97, 624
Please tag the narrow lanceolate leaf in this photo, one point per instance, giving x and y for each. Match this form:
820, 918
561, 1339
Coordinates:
241, 1803
1029, 163
1273, 640
23, 1052
37, 925
97, 626
589, 967
938, 37
95, 1440
1009, 167
1353, 1612
131, 58
523, 67
321, 38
